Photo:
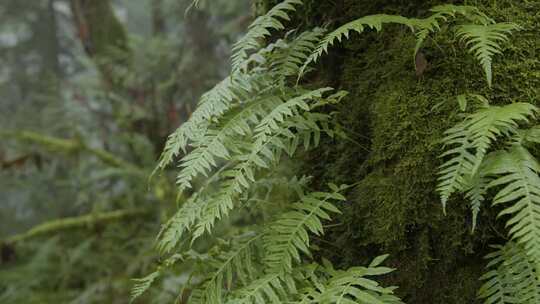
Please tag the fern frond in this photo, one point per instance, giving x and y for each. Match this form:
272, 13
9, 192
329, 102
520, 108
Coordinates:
484, 41
142, 285
350, 286
173, 231
268, 289
425, 27
260, 29
214, 103
517, 172
529, 136
374, 22
511, 277
476, 193
236, 264
289, 235
487, 124
217, 143
261, 152
471, 140
471, 13
452, 174
270, 124
290, 57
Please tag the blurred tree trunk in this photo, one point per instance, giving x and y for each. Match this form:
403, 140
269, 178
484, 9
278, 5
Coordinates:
54, 49
103, 37
158, 20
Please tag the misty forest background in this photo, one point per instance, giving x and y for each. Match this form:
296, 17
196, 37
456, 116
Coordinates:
87, 103
90, 90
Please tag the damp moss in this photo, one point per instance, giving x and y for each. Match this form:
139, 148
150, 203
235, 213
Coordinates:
395, 120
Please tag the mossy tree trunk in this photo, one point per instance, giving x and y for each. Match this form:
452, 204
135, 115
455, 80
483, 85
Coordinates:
396, 120
103, 37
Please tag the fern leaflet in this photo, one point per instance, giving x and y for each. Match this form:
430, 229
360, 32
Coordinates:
484, 41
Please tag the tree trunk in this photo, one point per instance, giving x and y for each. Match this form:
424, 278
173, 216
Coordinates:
103, 37
158, 20
398, 118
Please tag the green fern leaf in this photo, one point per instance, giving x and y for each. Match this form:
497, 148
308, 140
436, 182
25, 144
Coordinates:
260, 29
471, 139
219, 100
511, 277
484, 41
289, 58
432, 24
288, 236
142, 285
350, 286
374, 22
173, 231
268, 289
236, 264
517, 172
216, 144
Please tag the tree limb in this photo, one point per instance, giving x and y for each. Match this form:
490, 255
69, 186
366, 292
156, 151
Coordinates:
78, 222
70, 146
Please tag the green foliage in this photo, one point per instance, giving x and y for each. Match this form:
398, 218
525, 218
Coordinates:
511, 277
288, 236
471, 139
350, 286
517, 171
142, 284
257, 118
260, 29
241, 132
483, 36
478, 164
484, 41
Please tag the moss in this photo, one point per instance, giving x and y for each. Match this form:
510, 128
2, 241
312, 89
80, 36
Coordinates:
396, 121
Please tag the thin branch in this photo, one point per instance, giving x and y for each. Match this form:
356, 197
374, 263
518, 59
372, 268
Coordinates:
70, 146
78, 222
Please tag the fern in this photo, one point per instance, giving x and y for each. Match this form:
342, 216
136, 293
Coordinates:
290, 58
514, 173
142, 285
484, 41
471, 140
260, 29
173, 231
214, 103
235, 264
517, 172
425, 27
476, 193
246, 125
268, 289
511, 277
349, 286
421, 27
289, 235
360, 25
217, 142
